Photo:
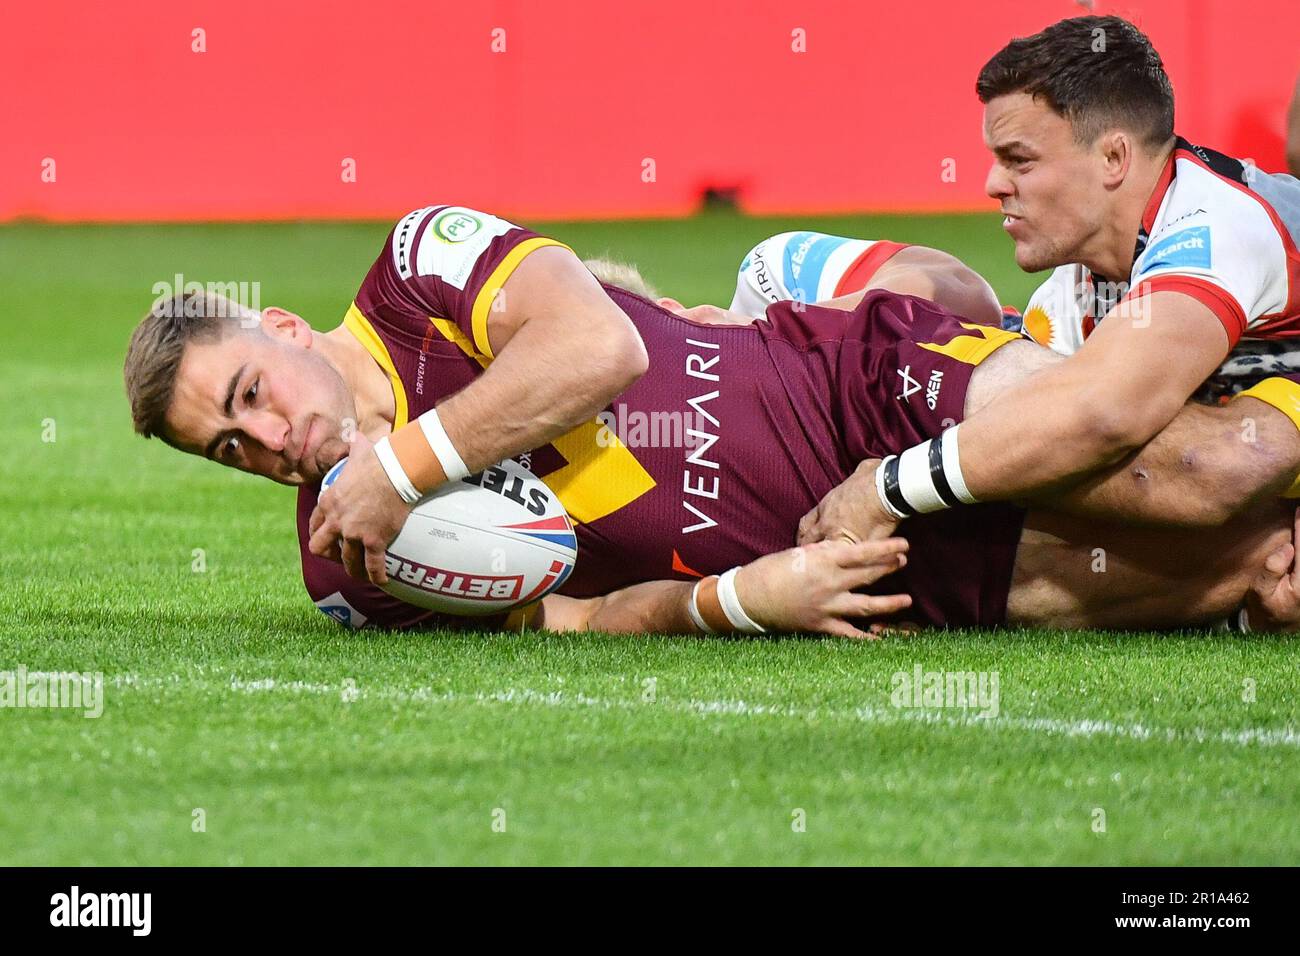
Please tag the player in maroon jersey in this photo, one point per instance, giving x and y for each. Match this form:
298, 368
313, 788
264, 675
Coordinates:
772, 416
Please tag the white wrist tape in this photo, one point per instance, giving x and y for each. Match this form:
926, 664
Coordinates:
694, 607
436, 436
915, 481
731, 605
396, 474
952, 466
925, 478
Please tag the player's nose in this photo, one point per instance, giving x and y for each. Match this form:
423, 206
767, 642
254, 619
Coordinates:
997, 184
268, 429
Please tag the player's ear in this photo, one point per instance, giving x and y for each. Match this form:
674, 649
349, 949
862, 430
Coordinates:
1116, 148
285, 325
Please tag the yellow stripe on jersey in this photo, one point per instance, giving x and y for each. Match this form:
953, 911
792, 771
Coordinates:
973, 349
483, 302
360, 326
452, 333
1284, 395
601, 474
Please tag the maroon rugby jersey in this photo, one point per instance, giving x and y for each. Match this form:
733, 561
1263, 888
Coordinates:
714, 455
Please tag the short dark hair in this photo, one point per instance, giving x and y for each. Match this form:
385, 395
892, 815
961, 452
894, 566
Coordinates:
1096, 72
158, 343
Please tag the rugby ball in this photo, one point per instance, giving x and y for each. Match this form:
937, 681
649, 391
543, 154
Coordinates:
482, 545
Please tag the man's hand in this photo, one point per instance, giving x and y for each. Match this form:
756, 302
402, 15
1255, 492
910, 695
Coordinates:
1273, 601
358, 516
811, 589
851, 511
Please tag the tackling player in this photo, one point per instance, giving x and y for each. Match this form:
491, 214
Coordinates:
776, 413
1169, 258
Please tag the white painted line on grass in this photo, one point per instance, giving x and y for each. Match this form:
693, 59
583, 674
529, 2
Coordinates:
1083, 728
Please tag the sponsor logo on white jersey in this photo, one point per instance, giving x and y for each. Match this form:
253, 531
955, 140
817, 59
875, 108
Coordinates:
456, 225
1188, 249
404, 240
453, 242
801, 253
762, 277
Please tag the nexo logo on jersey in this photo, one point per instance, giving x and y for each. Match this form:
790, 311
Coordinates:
1189, 249
932, 389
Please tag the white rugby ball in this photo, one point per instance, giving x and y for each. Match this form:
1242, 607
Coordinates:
482, 545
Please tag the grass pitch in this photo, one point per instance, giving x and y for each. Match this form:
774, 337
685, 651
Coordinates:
229, 701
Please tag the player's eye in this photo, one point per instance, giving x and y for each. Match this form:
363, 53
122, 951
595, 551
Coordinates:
229, 447
251, 395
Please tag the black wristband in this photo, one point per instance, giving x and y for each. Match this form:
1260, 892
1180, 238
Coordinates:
893, 494
937, 475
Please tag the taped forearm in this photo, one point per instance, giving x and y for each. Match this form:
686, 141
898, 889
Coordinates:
420, 457
514, 408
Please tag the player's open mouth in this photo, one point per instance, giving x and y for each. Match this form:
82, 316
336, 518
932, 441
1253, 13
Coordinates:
1009, 222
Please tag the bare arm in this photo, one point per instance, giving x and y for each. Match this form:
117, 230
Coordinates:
658, 607
1128, 381
934, 275
534, 391
1204, 467
800, 589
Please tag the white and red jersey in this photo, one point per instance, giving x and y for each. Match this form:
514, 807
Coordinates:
1216, 229
806, 267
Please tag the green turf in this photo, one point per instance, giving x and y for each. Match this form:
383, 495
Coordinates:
227, 691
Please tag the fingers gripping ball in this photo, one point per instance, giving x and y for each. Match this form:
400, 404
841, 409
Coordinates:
482, 545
